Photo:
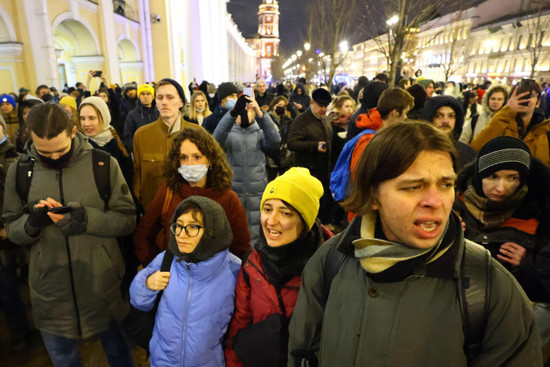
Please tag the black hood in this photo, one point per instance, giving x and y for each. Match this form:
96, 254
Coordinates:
439, 101
217, 233
371, 94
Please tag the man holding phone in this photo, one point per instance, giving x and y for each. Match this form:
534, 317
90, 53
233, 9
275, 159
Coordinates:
75, 262
521, 119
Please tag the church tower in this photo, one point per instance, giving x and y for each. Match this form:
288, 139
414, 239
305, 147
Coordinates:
268, 29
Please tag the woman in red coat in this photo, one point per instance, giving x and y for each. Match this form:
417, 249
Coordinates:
270, 277
196, 165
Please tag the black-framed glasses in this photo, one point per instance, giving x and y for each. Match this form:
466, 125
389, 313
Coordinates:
192, 230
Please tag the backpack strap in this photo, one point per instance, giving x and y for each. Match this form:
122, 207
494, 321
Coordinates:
23, 177
166, 205
101, 163
167, 260
474, 289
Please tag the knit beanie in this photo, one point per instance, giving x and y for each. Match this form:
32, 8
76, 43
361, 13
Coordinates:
101, 106
178, 88
68, 101
226, 89
127, 87
503, 153
7, 98
298, 188
217, 234
146, 88
425, 82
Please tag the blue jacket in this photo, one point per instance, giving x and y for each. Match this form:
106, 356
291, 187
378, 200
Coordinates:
194, 311
245, 153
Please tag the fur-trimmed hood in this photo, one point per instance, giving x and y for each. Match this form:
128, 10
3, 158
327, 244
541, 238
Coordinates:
485, 99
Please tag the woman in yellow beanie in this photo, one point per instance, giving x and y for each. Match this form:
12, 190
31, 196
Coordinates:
270, 278
69, 105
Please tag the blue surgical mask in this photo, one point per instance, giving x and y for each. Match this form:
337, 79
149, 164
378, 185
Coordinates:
230, 103
193, 173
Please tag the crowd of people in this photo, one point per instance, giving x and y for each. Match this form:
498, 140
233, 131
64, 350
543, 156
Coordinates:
279, 225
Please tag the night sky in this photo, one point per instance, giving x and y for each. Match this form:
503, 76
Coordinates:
292, 23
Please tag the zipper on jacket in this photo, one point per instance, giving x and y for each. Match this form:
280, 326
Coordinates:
186, 312
69, 262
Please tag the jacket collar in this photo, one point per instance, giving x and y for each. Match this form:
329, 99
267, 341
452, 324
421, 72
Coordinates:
207, 269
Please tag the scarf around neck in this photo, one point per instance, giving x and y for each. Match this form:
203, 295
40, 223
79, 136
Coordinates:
103, 137
492, 213
388, 261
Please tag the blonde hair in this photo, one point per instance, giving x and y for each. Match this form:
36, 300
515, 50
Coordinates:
193, 114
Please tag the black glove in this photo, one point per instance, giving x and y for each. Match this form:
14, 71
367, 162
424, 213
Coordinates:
240, 105
244, 119
75, 222
38, 218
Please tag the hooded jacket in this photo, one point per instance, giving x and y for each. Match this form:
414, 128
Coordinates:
302, 99
482, 119
415, 321
465, 153
74, 280
507, 122
529, 227
245, 152
137, 118
196, 305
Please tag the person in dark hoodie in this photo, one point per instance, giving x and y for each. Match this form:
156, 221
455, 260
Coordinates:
198, 292
371, 94
420, 96
446, 114
299, 98
129, 99
227, 95
144, 113
23, 134
362, 82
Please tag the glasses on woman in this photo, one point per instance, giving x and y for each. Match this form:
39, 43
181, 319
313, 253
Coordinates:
192, 230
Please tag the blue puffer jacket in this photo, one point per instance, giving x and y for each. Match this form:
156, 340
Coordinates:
194, 311
245, 153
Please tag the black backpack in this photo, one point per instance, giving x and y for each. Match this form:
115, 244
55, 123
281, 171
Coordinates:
474, 289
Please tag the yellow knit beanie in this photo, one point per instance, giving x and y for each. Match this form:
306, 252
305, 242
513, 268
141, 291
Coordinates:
299, 189
68, 101
146, 88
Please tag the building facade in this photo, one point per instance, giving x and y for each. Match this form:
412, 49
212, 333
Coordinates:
54, 42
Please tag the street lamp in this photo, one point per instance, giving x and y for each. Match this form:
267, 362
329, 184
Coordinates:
299, 53
307, 46
392, 21
344, 46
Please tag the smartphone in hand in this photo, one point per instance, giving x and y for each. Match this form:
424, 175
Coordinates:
249, 92
60, 209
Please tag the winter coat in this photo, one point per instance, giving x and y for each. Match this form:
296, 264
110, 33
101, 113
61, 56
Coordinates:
74, 280
8, 155
304, 136
481, 120
412, 322
12, 125
152, 143
302, 99
529, 227
264, 100
506, 122
245, 152
194, 310
150, 225
137, 118
211, 122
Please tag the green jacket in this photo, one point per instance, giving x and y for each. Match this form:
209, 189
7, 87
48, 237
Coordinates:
412, 322
74, 280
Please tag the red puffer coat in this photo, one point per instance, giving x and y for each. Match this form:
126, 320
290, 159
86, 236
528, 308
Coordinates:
257, 299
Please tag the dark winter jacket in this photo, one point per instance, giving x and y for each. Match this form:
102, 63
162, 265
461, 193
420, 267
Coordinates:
264, 100
412, 322
306, 131
138, 117
302, 99
8, 155
211, 122
74, 279
371, 94
466, 154
529, 227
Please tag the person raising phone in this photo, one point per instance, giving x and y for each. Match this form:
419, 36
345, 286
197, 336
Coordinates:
521, 119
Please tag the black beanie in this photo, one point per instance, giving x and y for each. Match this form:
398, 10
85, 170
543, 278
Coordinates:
503, 153
226, 89
217, 234
178, 88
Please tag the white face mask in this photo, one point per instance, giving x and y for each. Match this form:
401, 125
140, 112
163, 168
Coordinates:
211, 95
193, 173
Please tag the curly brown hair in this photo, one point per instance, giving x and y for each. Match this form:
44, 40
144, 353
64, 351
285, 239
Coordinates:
220, 174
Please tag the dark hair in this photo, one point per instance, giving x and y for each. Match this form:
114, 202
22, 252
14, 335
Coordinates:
190, 207
390, 153
48, 120
419, 94
220, 174
496, 89
394, 99
383, 77
41, 86
403, 82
